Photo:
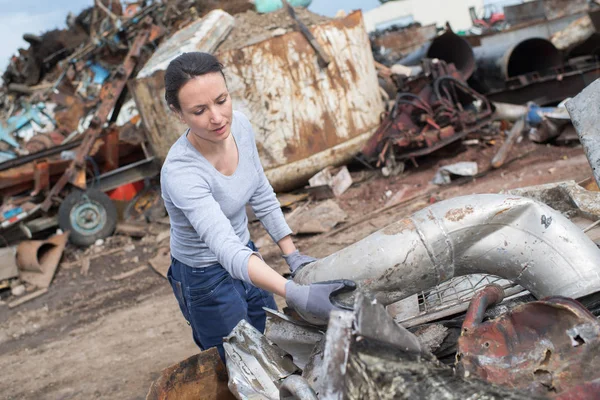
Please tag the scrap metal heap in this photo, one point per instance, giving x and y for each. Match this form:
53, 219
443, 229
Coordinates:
432, 109
520, 348
538, 350
66, 116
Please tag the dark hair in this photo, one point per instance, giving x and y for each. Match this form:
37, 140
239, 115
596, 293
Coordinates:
185, 67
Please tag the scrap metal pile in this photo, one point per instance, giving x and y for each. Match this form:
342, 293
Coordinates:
447, 86
67, 116
431, 110
521, 348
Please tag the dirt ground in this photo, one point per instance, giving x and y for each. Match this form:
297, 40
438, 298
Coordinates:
92, 336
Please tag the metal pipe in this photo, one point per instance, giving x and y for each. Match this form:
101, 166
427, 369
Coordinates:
508, 112
448, 47
490, 295
516, 238
496, 64
297, 388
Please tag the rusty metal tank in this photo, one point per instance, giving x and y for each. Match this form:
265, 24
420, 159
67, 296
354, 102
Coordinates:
305, 117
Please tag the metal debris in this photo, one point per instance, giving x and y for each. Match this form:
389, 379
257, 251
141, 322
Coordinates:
256, 367
546, 348
38, 259
432, 110
587, 124
443, 176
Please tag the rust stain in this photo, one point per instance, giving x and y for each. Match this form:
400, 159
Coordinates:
501, 212
398, 227
457, 214
545, 348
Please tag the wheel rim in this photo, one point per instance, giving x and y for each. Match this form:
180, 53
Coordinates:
88, 216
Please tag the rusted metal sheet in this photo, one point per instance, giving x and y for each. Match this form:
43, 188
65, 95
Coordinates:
399, 43
305, 117
38, 259
548, 348
202, 376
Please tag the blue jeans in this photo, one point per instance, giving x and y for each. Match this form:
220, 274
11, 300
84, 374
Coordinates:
213, 302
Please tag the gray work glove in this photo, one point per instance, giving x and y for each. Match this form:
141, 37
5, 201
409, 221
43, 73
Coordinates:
296, 260
313, 302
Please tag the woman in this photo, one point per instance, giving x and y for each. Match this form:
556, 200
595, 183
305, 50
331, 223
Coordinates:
209, 175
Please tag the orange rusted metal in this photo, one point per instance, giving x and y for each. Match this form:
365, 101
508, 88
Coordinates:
202, 376
111, 150
41, 176
549, 347
38, 259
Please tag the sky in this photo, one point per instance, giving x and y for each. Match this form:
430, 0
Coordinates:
37, 16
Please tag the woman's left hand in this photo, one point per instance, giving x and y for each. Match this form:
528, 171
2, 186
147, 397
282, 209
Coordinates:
296, 259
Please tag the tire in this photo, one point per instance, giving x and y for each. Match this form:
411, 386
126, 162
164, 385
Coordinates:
89, 216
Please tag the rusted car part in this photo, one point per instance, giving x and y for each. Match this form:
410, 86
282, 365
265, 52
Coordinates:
432, 110
109, 96
360, 365
512, 237
448, 47
256, 367
548, 348
587, 124
322, 127
38, 259
497, 64
202, 376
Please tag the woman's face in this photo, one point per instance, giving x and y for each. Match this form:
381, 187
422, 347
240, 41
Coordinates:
206, 107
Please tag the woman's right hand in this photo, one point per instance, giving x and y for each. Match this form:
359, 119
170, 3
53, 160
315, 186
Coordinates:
313, 302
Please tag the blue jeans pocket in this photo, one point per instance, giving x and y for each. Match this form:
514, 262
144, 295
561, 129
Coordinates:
204, 283
178, 291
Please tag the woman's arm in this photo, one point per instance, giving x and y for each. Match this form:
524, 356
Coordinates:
286, 245
265, 277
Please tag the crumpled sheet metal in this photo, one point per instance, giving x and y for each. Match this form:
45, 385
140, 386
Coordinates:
298, 338
548, 348
361, 365
38, 259
255, 365
567, 197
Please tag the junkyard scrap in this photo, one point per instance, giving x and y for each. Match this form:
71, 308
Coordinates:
451, 172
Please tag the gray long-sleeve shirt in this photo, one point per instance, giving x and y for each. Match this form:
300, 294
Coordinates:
207, 209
